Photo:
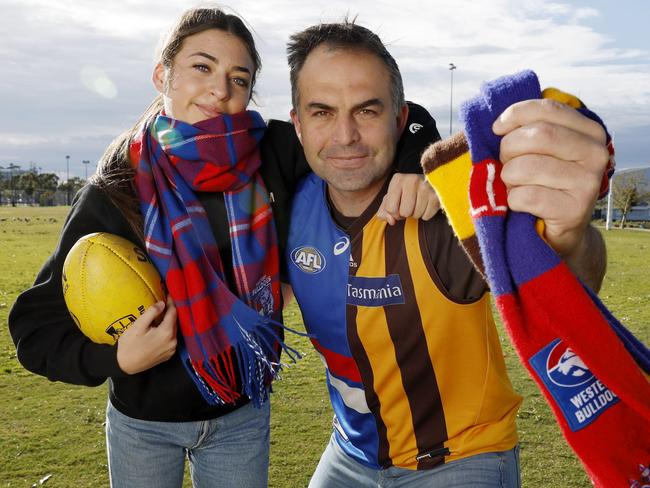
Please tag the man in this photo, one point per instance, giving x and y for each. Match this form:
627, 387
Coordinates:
415, 370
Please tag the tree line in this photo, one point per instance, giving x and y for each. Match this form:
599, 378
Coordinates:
33, 188
45, 189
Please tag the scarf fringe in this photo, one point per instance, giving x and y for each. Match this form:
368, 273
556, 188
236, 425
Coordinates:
256, 355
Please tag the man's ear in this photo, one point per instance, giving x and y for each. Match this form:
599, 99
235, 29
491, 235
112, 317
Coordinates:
402, 117
158, 78
296, 123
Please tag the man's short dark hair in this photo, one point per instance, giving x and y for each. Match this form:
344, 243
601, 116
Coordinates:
342, 35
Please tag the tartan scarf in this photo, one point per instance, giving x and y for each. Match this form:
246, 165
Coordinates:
223, 335
591, 370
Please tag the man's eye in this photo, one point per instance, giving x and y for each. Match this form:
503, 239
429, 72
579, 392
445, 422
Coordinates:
367, 112
320, 114
203, 68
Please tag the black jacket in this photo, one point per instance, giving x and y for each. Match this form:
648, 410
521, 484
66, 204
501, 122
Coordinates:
49, 343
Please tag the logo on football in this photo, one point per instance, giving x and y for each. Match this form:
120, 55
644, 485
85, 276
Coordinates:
108, 282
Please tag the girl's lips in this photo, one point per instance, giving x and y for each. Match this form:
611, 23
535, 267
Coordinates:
208, 110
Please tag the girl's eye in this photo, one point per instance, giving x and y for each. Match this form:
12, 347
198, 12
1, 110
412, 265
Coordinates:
240, 82
203, 68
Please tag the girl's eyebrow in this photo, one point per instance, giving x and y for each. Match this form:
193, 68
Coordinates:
205, 55
214, 60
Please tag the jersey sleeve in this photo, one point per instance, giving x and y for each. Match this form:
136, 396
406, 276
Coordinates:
281, 148
419, 133
47, 340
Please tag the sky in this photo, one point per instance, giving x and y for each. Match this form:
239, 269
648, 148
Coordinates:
74, 74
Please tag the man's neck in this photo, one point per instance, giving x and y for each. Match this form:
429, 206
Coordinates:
354, 203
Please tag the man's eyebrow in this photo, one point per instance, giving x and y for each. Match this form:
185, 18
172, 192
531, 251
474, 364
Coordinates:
359, 106
215, 60
319, 106
368, 103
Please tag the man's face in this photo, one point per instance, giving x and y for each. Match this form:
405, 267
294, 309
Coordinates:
346, 120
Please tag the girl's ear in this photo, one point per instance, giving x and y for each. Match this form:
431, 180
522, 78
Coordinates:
158, 78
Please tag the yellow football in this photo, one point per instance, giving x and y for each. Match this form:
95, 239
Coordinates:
108, 282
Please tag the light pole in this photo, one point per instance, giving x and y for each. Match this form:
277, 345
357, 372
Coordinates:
608, 217
2, 168
67, 180
11, 168
86, 162
452, 67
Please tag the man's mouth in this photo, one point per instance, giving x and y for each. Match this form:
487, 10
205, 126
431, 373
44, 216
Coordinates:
347, 161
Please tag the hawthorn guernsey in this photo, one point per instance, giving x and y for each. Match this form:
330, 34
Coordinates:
415, 378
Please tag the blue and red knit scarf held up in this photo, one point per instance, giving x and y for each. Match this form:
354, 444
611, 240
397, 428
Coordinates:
592, 371
230, 341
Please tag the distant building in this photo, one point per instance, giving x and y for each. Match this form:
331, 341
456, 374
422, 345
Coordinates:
9, 170
640, 212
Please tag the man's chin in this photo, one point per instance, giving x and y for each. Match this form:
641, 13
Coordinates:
354, 182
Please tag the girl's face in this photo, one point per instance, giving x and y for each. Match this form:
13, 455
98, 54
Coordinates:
210, 75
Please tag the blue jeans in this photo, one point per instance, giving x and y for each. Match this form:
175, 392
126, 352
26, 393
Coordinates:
489, 470
231, 451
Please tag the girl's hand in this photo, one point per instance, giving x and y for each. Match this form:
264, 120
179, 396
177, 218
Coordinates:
144, 345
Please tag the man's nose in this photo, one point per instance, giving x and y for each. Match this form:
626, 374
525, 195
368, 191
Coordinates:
346, 131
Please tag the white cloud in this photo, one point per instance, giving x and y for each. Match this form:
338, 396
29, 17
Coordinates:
46, 45
21, 139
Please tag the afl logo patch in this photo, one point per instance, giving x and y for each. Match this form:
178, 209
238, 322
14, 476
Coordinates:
308, 259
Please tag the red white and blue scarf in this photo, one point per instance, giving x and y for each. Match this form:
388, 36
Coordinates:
225, 335
592, 371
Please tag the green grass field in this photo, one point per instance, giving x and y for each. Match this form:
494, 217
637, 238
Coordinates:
56, 430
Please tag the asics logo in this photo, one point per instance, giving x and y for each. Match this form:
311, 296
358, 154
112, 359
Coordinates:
341, 246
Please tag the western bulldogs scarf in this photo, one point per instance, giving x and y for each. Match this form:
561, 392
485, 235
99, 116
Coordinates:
224, 336
591, 370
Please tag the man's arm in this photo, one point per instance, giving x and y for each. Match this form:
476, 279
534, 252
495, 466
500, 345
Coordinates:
589, 259
554, 159
419, 132
409, 195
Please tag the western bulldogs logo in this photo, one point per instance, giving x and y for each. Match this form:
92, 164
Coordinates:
581, 396
565, 368
308, 259
263, 295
